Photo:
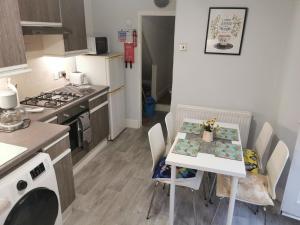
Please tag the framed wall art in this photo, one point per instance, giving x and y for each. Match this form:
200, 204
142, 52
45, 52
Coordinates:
225, 30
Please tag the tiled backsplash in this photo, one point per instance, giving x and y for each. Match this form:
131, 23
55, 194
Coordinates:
43, 69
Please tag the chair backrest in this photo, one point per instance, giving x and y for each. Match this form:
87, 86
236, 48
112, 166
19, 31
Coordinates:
263, 140
242, 118
275, 166
157, 144
170, 127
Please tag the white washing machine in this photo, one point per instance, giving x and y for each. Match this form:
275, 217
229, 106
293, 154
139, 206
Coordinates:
29, 195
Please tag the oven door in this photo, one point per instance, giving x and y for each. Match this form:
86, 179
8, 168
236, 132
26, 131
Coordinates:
74, 134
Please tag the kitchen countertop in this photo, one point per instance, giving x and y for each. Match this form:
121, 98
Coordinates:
39, 134
49, 113
34, 138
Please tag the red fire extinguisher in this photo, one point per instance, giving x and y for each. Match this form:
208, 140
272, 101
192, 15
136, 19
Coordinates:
129, 54
129, 49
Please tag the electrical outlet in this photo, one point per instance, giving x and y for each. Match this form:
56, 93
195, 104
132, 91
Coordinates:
62, 74
59, 75
183, 47
55, 76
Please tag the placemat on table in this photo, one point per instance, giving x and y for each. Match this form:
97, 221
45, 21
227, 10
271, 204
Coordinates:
227, 134
228, 151
186, 147
191, 128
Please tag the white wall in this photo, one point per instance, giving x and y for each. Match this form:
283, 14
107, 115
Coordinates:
109, 17
289, 104
247, 82
159, 37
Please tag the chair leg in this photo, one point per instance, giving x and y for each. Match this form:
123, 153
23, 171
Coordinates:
212, 190
164, 186
169, 188
265, 220
213, 219
204, 188
194, 206
152, 198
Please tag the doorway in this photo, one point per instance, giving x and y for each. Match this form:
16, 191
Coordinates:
157, 51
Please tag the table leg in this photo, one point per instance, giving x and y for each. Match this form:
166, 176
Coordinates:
234, 187
172, 195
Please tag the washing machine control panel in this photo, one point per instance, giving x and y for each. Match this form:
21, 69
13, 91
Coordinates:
37, 171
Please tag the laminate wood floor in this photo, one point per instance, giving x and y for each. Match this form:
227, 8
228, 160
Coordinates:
116, 187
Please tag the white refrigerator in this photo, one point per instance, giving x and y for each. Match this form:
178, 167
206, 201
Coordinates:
108, 70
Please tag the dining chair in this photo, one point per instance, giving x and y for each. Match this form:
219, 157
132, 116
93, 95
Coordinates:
254, 157
162, 172
257, 189
169, 120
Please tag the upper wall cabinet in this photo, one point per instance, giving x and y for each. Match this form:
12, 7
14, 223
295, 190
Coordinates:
72, 12
40, 12
12, 48
70, 39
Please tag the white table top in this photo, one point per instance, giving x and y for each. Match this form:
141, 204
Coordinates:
208, 162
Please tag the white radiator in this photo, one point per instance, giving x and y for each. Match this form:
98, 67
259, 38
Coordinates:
242, 118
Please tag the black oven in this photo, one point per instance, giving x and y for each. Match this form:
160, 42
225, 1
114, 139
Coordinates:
77, 118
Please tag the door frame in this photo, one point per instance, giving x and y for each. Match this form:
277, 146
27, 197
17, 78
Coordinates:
140, 42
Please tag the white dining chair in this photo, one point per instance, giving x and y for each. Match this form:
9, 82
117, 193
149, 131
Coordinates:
169, 120
257, 189
157, 146
261, 145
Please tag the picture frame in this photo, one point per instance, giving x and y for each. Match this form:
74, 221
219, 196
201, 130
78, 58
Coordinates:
225, 30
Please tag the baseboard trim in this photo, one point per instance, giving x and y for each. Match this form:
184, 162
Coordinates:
135, 124
83, 162
162, 108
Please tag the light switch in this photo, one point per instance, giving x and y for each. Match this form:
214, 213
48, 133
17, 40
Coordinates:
183, 47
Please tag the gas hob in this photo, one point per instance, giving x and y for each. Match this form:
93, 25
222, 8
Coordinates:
54, 99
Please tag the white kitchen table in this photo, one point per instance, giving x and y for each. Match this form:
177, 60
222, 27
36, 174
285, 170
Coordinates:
209, 163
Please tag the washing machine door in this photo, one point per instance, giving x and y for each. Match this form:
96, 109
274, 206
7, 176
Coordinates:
37, 207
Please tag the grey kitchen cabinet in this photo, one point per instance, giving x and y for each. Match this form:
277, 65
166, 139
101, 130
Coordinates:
73, 19
65, 181
43, 12
12, 47
99, 119
60, 153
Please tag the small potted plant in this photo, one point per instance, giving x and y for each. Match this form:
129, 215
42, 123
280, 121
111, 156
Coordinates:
209, 127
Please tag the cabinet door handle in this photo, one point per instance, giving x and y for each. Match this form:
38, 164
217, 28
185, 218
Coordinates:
98, 107
66, 115
61, 156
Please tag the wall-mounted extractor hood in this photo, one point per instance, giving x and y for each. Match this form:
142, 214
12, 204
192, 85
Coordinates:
28, 30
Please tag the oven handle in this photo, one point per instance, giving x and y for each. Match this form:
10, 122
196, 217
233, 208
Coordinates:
71, 122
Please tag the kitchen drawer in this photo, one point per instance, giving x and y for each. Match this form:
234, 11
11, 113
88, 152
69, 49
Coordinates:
73, 111
57, 147
98, 100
